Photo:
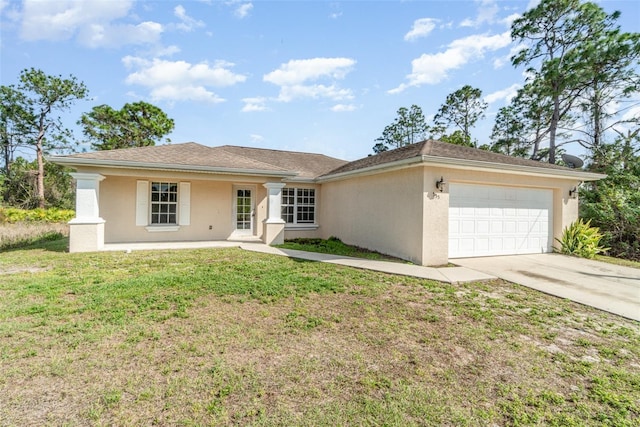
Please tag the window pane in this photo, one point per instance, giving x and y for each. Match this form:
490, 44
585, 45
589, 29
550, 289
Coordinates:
164, 206
298, 205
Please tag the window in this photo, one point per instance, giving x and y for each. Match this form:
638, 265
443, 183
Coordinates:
299, 205
164, 202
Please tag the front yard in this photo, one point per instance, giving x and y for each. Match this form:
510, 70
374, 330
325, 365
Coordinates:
227, 337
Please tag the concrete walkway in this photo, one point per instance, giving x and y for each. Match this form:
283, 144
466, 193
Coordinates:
149, 246
442, 274
605, 286
608, 287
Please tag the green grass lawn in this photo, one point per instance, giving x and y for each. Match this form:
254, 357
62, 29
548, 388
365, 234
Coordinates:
227, 337
334, 246
618, 261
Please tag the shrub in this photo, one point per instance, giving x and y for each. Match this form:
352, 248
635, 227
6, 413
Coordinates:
14, 215
580, 239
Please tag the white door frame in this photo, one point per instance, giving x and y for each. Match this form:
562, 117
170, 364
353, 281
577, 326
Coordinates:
252, 218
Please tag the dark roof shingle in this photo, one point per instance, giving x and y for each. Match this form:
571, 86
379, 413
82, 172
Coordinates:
307, 165
438, 149
186, 154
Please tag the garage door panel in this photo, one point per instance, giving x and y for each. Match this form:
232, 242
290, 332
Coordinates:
481, 244
468, 211
523, 227
508, 244
509, 227
468, 226
497, 244
493, 220
483, 212
482, 227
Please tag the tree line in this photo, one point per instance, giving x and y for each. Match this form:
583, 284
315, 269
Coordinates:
582, 86
30, 122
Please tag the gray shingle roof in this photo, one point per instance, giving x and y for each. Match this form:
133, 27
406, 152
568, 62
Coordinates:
282, 163
186, 154
307, 165
438, 149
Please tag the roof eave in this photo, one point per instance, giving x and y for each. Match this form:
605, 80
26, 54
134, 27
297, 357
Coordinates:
466, 164
511, 168
398, 164
68, 161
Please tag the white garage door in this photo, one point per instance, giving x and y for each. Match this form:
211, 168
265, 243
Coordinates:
490, 220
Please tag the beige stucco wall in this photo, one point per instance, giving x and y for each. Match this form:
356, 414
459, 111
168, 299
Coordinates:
85, 237
382, 212
401, 213
398, 212
211, 207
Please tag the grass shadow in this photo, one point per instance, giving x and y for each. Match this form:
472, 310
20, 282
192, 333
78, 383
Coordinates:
47, 243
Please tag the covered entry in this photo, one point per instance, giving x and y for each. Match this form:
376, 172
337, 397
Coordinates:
495, 220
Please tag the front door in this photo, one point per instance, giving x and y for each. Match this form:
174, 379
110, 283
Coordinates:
243, 210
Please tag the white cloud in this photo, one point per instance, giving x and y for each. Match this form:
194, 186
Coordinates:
336, 11
501, 61
172, 93
254, 104
186, 23
242, 10
340, 108
421, 28
89, 21
509, 19
98, 35
505, 94
165, 51
487, 10
255, 138
289, 93
532, 4
434, 68
180, 80
296, 76
301, 70
630, 112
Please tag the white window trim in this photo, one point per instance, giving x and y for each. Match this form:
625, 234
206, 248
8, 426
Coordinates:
166, 203
143, 207
155, 228
302, 225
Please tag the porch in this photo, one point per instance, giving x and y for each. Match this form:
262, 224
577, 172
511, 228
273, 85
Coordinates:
146, 246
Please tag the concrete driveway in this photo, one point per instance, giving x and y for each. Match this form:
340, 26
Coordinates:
608, 287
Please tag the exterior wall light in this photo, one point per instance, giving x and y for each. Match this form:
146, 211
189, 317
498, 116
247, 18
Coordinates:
573, 193
440, 184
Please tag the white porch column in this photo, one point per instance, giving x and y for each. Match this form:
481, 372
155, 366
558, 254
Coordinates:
86, 230
274, 225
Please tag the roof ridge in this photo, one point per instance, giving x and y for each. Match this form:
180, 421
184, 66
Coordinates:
222, 147
279, 150
149, 147
426, 147
437, 149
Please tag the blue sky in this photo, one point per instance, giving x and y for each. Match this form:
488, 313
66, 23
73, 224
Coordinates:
319, 76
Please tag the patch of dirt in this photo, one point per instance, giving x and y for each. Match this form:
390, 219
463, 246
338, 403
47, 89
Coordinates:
15, 270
